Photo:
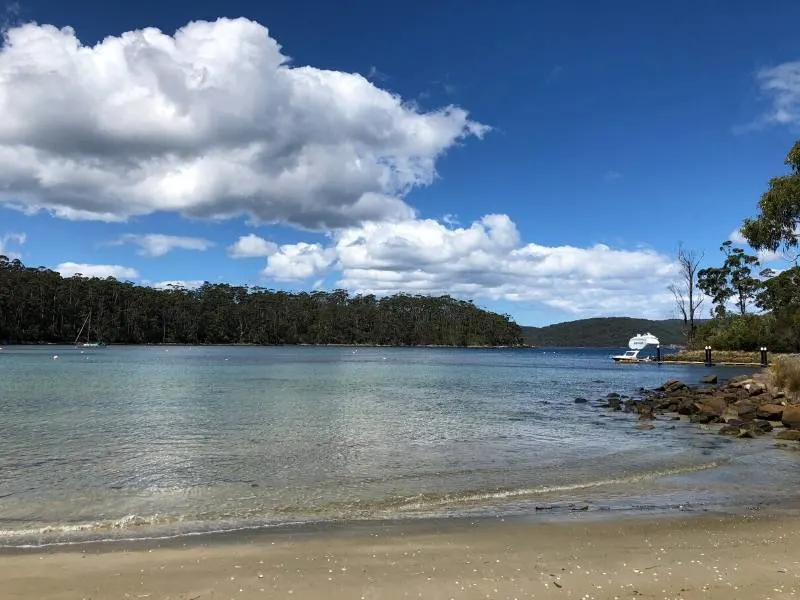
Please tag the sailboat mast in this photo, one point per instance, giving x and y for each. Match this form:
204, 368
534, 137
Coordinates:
78, 337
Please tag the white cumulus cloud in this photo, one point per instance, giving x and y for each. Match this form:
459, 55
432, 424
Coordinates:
68, 269
212, 121
11, 239
485, 260
156, 244
252, 246
294, 262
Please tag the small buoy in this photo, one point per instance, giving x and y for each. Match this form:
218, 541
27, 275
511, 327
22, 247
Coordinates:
55, 356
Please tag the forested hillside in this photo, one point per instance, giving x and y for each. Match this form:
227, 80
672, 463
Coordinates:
38, 305
608, 332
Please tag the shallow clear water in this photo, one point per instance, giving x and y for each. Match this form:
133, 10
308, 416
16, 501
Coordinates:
141, 441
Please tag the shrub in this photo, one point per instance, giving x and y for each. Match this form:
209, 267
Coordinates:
785, 372
736, 332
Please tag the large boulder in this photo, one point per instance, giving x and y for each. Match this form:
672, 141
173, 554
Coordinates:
672, 386
770, 412
733, 430
712, 406
702, 419
791, 416
792, 435
746, 410
740, 381
750, 429
686, 406
709, 379
762, 427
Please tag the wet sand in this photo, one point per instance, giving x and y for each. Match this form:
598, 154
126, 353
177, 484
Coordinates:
717, 557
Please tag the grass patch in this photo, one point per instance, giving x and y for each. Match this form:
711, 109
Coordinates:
717, 356
785, 375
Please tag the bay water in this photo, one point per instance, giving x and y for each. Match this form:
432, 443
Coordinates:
158, 441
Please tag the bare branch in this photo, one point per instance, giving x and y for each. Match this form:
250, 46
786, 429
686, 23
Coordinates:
680, 300
687, 299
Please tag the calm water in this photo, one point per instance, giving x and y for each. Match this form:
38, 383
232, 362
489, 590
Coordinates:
149, 441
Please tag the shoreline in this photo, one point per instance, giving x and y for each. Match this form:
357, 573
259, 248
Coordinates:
716, 555
248, 345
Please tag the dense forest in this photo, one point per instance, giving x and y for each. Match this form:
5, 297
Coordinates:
607, 332
39, 305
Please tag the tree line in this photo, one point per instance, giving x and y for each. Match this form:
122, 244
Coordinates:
751, 306
602, 332
39, 305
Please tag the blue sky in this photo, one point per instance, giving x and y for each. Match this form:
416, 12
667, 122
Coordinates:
584, 141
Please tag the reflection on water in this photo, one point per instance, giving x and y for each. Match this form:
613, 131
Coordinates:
130, 437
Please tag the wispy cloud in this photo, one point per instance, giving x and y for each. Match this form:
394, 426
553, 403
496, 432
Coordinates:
439, 87
780, 86
554, 74
156, 244
375, 74
9, 239
10, 15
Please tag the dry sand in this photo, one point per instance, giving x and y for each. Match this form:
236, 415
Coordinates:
720, 557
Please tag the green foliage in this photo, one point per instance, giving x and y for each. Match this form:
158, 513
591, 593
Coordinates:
739, 266
778, 295
608, 332
734, 279
713, 282
786, 329
776, 225
781, 291
38, 305
739, 332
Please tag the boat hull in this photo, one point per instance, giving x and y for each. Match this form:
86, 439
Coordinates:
624, 359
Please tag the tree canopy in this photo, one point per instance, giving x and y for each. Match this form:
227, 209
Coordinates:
775, 294
776, 224
39, 305
734, 279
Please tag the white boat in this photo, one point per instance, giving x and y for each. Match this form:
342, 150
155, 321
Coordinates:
636, 344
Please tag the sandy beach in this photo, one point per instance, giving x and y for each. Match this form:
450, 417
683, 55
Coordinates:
706, 556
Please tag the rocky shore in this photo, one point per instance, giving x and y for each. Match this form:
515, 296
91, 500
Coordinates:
742, 407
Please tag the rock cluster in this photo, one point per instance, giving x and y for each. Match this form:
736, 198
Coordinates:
745, 407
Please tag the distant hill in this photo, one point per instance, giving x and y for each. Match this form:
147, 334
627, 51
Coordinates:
606, 332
